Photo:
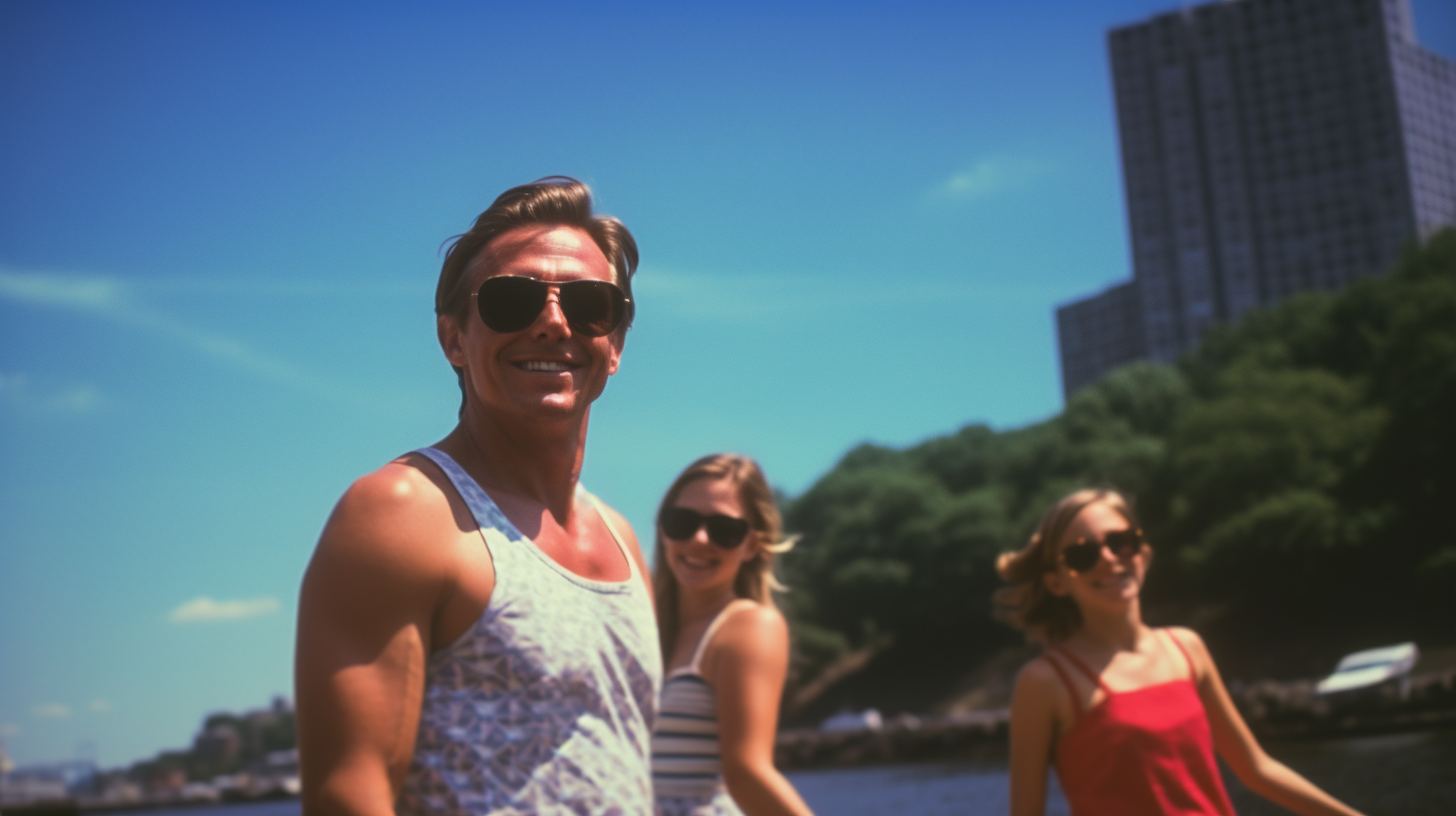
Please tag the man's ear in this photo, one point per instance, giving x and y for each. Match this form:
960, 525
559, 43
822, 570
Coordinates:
1055, 583
614, 361
451, 340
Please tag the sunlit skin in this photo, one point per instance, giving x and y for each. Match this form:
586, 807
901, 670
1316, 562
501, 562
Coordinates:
400, 570
497, 377
705, 571
747, 660
1115, 643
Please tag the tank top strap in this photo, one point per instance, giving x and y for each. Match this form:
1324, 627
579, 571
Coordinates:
1084, 668
1192, 670
601, 509
1067, 682
482, 507
695, 667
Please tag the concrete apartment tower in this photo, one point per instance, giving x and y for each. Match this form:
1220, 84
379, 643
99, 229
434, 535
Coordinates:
1268, 147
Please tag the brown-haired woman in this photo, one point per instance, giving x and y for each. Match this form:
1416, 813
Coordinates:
1129, 716
724, 644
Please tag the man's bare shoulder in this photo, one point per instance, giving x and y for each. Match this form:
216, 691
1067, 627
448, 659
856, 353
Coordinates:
390, 516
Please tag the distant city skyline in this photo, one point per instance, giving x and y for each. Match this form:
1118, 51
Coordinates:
1268, 147
219, 239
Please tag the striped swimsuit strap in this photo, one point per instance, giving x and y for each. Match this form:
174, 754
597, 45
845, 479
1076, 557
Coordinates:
685, 752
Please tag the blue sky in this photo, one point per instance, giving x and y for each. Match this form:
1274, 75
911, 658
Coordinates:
220, 230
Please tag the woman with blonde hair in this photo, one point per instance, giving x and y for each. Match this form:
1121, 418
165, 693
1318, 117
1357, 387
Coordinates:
725, 646
1128, 715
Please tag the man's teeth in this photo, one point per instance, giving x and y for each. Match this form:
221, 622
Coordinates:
543, 365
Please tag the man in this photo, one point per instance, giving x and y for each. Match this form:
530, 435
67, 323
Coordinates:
475, 630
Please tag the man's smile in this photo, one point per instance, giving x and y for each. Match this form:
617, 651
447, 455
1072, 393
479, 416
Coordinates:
544, 365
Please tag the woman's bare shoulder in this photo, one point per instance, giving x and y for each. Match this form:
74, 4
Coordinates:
1194, 647
1037, 674
1189, 640
752, 634
750, 621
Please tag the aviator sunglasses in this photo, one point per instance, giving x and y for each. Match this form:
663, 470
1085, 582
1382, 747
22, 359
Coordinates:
1083, 555
509, 303
681, 524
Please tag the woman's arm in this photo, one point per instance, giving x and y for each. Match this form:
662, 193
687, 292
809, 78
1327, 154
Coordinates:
1259, 772
1033, 724
746, 664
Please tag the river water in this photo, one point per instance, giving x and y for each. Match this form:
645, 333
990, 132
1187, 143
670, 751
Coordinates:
1398, 775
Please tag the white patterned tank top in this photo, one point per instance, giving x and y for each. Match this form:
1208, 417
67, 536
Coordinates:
687, 770
545, 705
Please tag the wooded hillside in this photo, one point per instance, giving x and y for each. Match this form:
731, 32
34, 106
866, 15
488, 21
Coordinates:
1295, 475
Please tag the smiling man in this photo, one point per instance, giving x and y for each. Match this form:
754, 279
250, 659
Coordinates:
475, 630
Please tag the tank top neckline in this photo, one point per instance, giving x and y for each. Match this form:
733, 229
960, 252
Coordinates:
693, 666
507, 527
1107, 692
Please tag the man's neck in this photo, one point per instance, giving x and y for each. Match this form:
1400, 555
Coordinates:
538, 462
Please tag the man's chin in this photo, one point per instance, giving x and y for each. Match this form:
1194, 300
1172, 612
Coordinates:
559, 406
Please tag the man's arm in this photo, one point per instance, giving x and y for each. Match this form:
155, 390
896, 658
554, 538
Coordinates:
368, 604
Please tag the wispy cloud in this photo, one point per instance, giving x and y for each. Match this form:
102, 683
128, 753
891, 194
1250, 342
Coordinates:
17, 392
121, 302
114, 299
755, 297
206, 610
99, 706
988, 177
51, 711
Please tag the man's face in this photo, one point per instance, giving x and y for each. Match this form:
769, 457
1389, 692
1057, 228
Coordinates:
547, 370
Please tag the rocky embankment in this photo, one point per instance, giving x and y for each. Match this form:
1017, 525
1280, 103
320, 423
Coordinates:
1273, 709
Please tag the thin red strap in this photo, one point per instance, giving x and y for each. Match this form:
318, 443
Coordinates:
1091, 675
1066, 681
1192, 671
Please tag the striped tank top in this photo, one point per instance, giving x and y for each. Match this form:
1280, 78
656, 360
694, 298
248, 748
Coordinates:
545, 704
687, 772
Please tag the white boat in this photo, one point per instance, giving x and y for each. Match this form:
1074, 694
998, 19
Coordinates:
1371, 667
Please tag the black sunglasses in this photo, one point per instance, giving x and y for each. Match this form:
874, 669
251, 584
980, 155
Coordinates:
509, 303
681, 524
1083, 555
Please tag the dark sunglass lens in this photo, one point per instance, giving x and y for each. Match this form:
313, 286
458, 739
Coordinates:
1124, 543
509, 303
727, 532
680, 523
1082, 556
594, 308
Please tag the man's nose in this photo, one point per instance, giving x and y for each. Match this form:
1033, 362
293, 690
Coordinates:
552, 319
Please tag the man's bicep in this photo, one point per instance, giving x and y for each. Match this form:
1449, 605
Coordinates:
363, 623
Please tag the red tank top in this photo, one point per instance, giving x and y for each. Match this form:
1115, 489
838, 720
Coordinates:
1146, 751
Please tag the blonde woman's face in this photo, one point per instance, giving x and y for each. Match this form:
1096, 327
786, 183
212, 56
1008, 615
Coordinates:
1114, 580
699, 564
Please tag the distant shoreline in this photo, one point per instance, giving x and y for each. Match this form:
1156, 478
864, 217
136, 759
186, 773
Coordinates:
984, 734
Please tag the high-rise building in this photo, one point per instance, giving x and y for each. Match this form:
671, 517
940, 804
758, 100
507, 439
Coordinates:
1268, 147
